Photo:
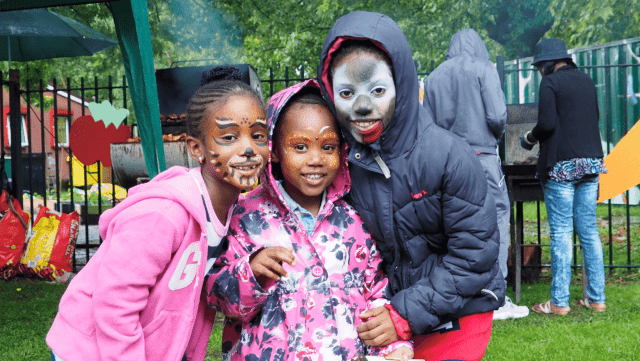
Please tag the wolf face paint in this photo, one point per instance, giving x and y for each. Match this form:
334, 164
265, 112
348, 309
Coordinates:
364, 95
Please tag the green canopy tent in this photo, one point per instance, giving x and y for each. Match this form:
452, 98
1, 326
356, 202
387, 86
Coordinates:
131, 19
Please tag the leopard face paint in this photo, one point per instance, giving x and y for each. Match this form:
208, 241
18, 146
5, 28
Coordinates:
236, 142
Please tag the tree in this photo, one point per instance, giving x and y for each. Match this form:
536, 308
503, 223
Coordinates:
276, 34
517, 25
582, 23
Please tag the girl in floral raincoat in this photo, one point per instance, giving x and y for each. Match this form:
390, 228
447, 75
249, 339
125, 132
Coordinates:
299, 267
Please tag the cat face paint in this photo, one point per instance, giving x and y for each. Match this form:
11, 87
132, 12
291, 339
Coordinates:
308, 150
235, 142
364, 95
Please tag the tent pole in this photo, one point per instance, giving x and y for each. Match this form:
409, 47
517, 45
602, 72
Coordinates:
132, 25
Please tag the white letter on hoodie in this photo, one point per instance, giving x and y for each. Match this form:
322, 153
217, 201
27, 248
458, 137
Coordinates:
188, 270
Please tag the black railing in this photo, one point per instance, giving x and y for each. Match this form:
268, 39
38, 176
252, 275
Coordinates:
48, 165
50, 180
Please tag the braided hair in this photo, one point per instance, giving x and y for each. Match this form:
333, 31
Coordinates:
217, 85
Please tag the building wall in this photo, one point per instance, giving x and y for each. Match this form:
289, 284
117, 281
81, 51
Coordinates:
42, 124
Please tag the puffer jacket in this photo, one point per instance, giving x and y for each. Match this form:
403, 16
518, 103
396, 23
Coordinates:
464, 94
430, 214
312, 313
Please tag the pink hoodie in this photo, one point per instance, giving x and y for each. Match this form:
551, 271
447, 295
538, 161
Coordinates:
140, 296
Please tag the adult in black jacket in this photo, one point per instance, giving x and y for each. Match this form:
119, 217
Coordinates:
568, 167
420, 190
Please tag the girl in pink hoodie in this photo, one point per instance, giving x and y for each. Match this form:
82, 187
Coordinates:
299, 267
140, 296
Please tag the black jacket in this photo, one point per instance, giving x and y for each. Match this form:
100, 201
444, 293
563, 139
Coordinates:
434, 225
568, 119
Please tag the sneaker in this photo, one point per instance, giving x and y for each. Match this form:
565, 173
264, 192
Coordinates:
510, 310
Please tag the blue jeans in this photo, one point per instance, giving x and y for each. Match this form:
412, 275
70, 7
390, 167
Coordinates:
568, 203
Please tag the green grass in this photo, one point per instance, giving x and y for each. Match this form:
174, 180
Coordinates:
28, 308
581, 335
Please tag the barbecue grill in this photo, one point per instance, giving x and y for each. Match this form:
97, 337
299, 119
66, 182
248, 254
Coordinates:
175, 88
519, 167
177, 85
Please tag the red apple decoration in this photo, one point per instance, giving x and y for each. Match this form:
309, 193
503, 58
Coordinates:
90, 139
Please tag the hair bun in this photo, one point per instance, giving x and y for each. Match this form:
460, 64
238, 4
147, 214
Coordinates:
222, 72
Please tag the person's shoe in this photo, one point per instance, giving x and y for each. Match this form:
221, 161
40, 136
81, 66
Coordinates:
550, 309
510, 310
598, 307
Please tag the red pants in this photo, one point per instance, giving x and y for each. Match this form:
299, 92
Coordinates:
467, 342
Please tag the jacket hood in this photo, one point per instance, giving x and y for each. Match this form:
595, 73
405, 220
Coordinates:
467, 42
174, 184
400, 135
340, 185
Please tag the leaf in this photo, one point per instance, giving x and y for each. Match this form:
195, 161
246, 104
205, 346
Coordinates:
107, 113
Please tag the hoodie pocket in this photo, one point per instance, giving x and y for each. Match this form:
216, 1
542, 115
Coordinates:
164, 335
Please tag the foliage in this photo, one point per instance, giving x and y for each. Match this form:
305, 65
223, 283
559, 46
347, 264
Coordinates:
582, 23
78, 196
517, 25
279, 34
296, 30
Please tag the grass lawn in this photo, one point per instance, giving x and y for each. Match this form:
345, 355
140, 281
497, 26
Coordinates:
28, 308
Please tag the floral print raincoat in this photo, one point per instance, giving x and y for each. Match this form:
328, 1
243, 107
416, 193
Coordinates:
312, 314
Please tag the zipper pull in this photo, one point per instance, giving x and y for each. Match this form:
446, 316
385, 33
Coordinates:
383, 166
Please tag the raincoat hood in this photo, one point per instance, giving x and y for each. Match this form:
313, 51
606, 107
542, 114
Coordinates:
400, 135
340, 185
467, 42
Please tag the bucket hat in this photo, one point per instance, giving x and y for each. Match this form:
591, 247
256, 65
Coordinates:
550, 49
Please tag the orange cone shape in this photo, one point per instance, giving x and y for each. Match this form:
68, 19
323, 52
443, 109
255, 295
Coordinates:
623, 164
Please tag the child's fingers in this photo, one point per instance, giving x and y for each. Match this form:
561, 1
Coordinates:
379, 341
372, 334
372, 313
276, 267
282, 254
404, 353
261, 270
378, 330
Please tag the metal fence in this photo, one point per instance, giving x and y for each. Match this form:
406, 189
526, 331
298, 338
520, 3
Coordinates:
614, 68
52, 178
50, 175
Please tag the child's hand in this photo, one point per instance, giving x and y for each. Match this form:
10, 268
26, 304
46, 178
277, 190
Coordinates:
379, 330
268, 263
403, 353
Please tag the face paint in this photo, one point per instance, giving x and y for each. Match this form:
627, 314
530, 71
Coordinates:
330, 139
236, 142
364, 95
294, 139
308, 150
241, 168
